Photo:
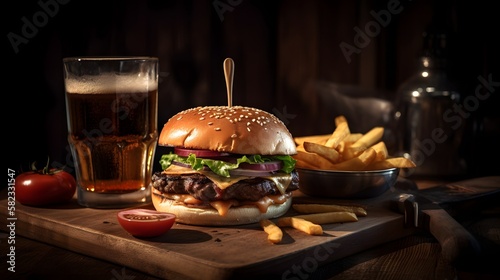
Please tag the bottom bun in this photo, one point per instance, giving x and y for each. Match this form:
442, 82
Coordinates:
210, 217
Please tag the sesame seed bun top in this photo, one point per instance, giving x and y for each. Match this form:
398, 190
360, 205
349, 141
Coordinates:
235, 129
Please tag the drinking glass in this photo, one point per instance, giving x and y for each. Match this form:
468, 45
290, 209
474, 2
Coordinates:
112, 108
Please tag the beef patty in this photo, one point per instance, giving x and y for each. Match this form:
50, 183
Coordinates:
202, 188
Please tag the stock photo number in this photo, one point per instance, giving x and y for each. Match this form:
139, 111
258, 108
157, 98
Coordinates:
11, 219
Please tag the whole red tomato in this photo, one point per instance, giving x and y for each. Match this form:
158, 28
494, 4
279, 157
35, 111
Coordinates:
44, 187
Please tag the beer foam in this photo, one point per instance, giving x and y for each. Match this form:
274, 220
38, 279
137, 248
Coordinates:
111, 83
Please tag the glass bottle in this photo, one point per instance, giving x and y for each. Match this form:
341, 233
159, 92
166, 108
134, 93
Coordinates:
430, 131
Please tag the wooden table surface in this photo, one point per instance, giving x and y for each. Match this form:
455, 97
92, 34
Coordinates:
413, 257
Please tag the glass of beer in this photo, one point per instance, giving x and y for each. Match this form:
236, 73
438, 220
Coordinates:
112, 115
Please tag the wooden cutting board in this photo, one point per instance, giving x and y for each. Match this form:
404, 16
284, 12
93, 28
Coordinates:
191, 252
187, 252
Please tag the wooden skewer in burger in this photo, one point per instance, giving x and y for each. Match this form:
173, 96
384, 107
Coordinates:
229, 76
230, 165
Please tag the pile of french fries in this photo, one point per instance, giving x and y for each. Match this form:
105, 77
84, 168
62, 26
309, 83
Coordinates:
311, 217
343, 150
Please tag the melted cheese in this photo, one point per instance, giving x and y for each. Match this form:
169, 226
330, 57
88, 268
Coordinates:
267, 201
222, 206
177, 170
281, 180
184, 198
264, 203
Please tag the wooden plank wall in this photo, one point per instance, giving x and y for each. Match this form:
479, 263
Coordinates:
282, 49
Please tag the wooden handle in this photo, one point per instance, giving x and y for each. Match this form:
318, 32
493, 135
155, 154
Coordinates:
457, 244
229, 75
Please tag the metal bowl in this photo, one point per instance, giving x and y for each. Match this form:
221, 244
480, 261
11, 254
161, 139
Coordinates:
346, 184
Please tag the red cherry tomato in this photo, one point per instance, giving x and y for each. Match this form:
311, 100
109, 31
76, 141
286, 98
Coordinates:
145, 223
42, 187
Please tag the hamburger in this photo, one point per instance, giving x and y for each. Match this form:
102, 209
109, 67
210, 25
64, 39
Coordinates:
228, 166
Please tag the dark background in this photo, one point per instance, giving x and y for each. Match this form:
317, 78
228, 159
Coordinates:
284, 52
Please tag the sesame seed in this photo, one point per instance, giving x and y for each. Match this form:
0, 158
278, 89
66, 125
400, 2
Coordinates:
210, 123
217, 129
234, 136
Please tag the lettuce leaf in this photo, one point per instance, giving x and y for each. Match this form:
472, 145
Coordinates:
222, 168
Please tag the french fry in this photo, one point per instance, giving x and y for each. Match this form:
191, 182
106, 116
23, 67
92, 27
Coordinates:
343, 150
312, 208
353, 137
349, 151
311, 161
300, 148
348, 140
304, 164
300, 224
381, 150
359, 163
396, 162
320, 139
329, 217
329, 153
340, 119
370, 138
340, 132
274, 233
